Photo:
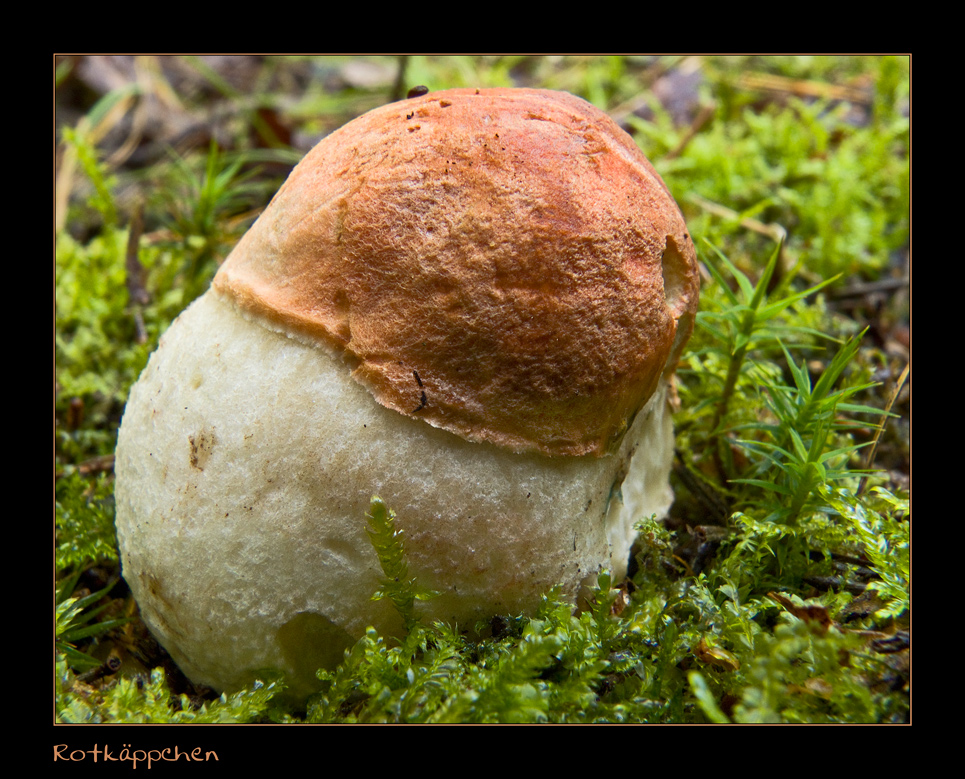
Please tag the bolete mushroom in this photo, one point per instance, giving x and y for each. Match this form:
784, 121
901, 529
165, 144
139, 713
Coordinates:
470, 303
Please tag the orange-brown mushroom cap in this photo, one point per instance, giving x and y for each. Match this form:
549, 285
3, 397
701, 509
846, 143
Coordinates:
504, 264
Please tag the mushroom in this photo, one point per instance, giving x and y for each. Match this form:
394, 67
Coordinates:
470, 303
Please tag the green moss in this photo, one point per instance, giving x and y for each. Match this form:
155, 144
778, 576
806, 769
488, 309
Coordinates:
84, 522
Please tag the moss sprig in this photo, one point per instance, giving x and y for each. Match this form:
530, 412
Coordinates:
881, 526
749, 319
801, 446
397, 586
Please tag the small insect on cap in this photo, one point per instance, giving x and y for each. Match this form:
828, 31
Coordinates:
504, 264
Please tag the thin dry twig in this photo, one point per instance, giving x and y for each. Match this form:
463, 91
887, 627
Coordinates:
772, 230
705, 115
804, 88
872, 450
136, 289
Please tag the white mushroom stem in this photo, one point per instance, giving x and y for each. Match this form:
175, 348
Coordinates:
245, 466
